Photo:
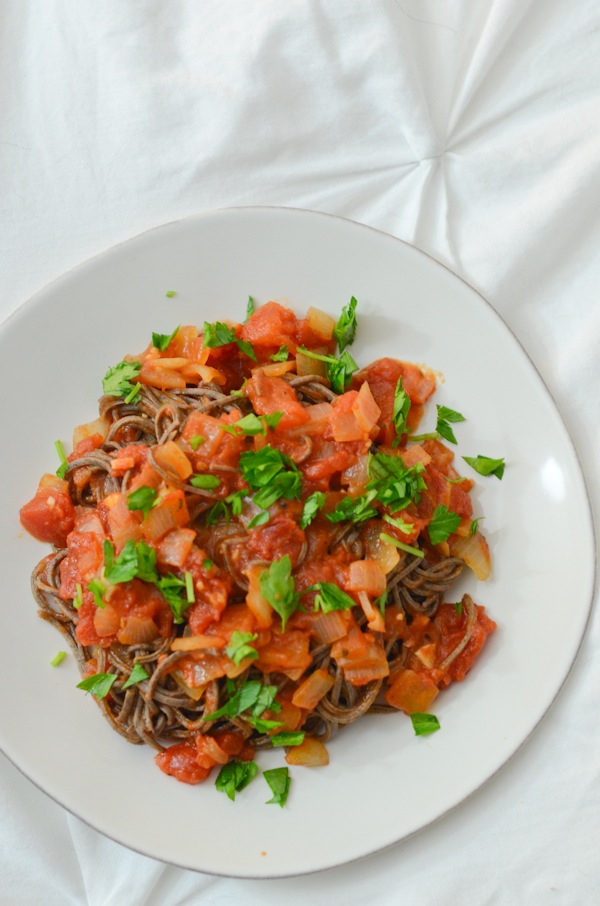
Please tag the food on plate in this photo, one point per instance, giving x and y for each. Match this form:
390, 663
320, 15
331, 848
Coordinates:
253, 546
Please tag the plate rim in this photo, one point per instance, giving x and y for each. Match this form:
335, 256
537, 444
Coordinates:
592, 579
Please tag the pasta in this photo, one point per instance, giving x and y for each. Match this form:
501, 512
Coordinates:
253, 547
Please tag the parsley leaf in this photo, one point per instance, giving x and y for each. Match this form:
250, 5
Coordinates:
64, 462
259, 519
400, 411
235, 776
161, 340
405, 527
331, 597
484, 465
444, 417
395, 484
285, 738
389, 539
253, 424
142, 499
312, 505
271, 474
339, 371
250, 308
281, 355
239, 648
443, 523
58, 658
136, 676
424, 724
118, 380
99, 684
136, 560
279, 781
277, 586
219, 334
97, 588
206, 482
172, 587
344, 331
458, 606
196, 440
353, 509
252, 695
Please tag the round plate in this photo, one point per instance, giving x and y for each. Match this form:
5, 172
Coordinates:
382, 783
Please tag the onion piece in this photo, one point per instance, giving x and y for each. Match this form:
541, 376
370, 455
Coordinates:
474, 551
197, 643
310, 753
310, 692
320, 322
137, 630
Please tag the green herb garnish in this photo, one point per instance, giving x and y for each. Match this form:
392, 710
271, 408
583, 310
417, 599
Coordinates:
389, 539
400, 411
353, 509
196, 440
484, 465
161, 341
312, 505
424, 724
253, 424
281, 355
219, 334
339, 371
259, 519
98, 589
235, 776
64, 462
99, 684
331, 597
344, 331
271, 474
442, 524
279, 781
252, 696
142, 499
239, 648
285, 738
136, 676
444, 417
118, 380
395, 484
206, 482
58, 658
277, 586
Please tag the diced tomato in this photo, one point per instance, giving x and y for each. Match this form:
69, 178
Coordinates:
86, 445
210, 752
270, 327
122, 523
180, 761
212, 588
361, 656
280, 536
128, 457
49, 516
287, 652
451, 627
411, 692
215, 445
83, 560
272, 394
382, 377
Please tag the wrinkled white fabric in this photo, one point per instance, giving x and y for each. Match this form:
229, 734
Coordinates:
467, 127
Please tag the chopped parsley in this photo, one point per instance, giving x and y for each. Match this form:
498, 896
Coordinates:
458, 606
239, 648
424, 724
161, 341
395, 484
389, 539
344, 331
353, 509
277, 586
484, 465
250, 308
444, 417
219, 334
252, 696
271, 474
279, 781
170, 293
331, 597
288, 738
196, 440
259, 519
406, 527
235, 776
400, 411
205, 482
64, 462
253, 424
118, 381
442, 524
58, 658
136, 676
99, 684
312, 505
339, 371
98, 590
281, 355
142, 499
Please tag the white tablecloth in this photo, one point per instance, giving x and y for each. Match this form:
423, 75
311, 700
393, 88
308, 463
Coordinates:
470, 128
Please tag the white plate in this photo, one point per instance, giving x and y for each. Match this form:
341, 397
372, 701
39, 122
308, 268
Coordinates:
383, 783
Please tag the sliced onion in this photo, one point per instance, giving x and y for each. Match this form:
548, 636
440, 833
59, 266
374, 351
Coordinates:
98, 426
474, 551
310, 692
386, 554
331, 626
310, 753
307, 365
320, 322
375, 618
137, 630
366, 575
106, 621
197, 643
170, 456
260, 607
